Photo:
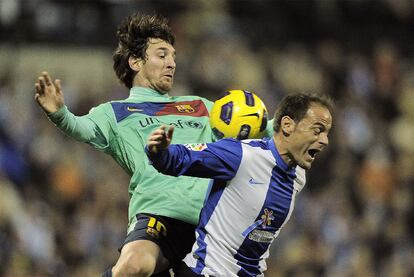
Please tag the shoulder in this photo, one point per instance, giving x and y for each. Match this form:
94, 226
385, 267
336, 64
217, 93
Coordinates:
104, 107
256, 143
228, 141
195, 97
104, 112
227, 146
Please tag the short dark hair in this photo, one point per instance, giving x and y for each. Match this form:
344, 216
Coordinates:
134, 34
297, 105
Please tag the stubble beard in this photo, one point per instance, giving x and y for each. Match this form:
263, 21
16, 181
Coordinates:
165, 87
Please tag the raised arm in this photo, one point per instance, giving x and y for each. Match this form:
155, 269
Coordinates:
49, 96
219, 160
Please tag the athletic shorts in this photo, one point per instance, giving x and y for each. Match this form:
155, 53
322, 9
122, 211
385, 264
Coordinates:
184, 271
174, 237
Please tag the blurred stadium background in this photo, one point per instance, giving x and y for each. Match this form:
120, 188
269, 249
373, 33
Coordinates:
63, 205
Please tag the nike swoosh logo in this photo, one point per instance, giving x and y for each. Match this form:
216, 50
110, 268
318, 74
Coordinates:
131, 109
252, 114
254, 182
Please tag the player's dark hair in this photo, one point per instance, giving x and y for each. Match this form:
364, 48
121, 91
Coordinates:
134, 34
297, 105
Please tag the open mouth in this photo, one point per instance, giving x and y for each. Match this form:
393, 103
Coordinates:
313, 152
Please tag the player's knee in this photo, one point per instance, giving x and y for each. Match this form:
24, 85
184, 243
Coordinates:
134, 265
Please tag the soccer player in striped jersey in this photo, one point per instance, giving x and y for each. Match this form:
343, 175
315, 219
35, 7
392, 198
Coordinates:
254, 188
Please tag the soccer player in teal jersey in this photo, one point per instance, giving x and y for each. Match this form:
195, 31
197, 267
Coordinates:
163, 210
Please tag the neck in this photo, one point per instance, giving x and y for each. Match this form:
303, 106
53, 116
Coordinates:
282, 148
141, 82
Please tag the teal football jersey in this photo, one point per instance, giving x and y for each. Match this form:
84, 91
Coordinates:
121, 128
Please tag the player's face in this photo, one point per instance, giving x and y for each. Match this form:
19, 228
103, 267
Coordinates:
157, 71
310, 136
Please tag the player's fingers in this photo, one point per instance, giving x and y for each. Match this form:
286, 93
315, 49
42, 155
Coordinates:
170, 131
155, 138
38, 89
158, 131
41, 82
58, 86
151, 143
162, 128
47, 78
152, 148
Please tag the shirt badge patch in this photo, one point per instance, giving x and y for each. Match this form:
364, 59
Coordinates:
267, 218
186, 108
196, 146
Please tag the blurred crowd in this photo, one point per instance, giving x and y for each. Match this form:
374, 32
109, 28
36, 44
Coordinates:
63, 205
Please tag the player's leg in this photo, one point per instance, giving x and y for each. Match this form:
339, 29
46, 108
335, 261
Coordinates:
140, 258
155, 244
141, 254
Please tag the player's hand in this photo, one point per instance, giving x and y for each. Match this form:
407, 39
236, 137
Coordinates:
48, 95
160, 139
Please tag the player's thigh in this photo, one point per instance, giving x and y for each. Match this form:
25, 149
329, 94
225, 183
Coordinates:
142, 248
173, 237
143, 254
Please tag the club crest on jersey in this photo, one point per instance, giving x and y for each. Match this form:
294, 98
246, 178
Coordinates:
267, 218
186, 108
196, 146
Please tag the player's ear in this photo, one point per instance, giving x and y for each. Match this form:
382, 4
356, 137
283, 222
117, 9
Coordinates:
135, 63
287, 125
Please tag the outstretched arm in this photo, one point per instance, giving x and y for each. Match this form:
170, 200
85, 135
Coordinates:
49, 96
219, 160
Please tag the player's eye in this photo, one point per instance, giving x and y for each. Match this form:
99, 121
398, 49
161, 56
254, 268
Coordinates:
317, 130
161, 54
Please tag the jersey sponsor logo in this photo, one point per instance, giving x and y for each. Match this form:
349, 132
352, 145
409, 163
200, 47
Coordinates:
155, 228
196, 146
148, 121
254, 182
261, 236
193, 124
185, 108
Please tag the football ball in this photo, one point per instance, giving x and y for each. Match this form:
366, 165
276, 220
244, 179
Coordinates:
239, 114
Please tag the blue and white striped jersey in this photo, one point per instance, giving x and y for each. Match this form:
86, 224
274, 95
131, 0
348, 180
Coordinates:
250, 200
